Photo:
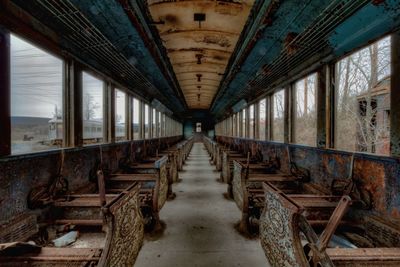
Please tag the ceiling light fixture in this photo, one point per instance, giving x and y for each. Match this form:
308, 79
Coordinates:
199, 57
199, 17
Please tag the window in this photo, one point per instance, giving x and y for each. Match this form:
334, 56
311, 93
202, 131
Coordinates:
36, 98
163, 130
244, 123
251, 122
278, 112
146, 122
92, 109
234, 127
238, 124
120, 110
262, 123
159, 124
153, 123
136, 119
305, 113
363, 100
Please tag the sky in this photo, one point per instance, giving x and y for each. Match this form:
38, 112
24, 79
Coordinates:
37, 83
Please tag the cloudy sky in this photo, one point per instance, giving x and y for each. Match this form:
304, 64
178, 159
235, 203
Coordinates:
36, 82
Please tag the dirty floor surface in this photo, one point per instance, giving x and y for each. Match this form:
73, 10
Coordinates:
200, 224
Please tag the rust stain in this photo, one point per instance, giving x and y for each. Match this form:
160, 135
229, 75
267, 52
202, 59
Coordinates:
171, 19
371, 178
222, 41
395, 213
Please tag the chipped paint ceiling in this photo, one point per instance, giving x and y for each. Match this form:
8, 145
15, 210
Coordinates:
200, 36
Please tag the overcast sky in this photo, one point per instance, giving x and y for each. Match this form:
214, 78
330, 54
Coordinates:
36, 83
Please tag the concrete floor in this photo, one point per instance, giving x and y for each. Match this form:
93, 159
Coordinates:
200, 224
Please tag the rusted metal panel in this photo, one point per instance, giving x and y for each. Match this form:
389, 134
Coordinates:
20, 174
376, 177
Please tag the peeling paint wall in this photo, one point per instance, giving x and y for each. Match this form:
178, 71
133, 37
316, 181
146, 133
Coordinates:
377, 177
19, 174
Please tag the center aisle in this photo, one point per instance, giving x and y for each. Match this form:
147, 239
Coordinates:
200, 224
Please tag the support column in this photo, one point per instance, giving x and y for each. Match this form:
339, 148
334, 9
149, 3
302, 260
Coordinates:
5, 93
322, 88
286, 127
395, 97
128, 117
268, 124
292, 113
109, 115
73, 104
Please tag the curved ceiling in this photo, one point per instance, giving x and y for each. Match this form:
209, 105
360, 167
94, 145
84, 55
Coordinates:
200, 36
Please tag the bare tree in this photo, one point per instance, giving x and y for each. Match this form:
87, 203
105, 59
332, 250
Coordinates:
358, 101
89, 107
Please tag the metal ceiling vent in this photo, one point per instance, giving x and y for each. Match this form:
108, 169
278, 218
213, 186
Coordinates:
199, 57
200, 17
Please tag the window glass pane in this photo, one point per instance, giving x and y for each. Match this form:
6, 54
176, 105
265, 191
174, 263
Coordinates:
262, 119
120, 110
278, 111
163, 125
251, 122
153, 122
146, 121
244, 123
36, 98
234, 125
92, 109
136, 121
305, 119
158, 124
238, 124
363, 100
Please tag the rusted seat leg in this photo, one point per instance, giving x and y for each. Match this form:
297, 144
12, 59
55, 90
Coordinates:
157, 223
230, 187
244, 225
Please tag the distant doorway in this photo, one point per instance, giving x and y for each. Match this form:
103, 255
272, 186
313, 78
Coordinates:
198, 127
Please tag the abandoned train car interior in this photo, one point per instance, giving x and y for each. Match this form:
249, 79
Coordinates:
200, 133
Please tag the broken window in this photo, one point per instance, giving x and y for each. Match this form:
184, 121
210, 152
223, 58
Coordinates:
363, 100
92, 109
278, 113
36, 98
305, 111
262, 119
